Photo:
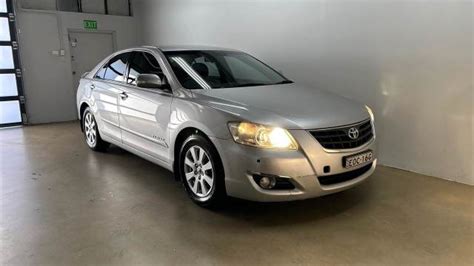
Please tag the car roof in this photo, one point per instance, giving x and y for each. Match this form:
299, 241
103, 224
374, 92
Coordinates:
172, 48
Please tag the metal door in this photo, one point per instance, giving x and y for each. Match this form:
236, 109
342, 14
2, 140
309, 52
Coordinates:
87, 50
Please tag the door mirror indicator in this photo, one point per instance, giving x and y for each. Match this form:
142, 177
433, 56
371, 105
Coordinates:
152, 81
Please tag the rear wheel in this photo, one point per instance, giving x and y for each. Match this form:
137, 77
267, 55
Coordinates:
201, 172
91, 132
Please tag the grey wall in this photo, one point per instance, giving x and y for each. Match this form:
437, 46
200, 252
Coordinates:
48, 84
39, 4
93, 6
118, 7
410, 60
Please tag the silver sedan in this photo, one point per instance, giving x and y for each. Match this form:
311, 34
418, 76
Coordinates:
226, 124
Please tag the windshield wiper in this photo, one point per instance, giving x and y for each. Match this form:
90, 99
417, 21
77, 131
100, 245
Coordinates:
283, 82
250, 84
263, 84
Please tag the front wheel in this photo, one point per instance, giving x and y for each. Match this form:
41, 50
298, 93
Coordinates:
91, 132
201, 172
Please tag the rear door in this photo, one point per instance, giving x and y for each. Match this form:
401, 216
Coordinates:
145, 113
106, 90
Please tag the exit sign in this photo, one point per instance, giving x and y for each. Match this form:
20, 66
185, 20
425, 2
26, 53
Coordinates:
90, 24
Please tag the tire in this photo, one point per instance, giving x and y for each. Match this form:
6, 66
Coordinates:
202, 173
91, 132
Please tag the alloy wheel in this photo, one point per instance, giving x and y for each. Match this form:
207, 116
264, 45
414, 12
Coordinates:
90, 130
199, 172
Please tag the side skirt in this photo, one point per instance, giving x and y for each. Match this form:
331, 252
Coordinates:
143, 155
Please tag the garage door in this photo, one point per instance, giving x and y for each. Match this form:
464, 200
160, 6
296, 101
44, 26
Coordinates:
11, 93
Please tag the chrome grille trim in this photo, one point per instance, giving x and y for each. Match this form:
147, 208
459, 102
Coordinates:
336, 138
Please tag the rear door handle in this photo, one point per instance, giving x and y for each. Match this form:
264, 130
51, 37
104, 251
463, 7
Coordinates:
123, 95
92, 86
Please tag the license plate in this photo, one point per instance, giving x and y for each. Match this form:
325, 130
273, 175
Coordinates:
358, 159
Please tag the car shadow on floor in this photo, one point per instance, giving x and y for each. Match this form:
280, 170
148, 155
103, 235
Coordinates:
258, 213
300, 211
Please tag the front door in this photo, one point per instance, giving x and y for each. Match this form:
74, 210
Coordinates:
144, 113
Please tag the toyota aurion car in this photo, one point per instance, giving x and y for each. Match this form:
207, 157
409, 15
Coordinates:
226, 124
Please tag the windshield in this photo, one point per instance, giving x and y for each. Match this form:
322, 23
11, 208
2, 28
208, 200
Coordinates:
221, 69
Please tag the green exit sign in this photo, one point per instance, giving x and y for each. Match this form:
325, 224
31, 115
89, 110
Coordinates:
90, 24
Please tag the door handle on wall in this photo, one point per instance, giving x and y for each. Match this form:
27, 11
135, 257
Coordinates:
123, 95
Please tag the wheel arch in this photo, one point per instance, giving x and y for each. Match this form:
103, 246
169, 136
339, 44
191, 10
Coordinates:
82, 109
178, 143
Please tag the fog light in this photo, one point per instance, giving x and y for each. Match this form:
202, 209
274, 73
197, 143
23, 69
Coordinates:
272, 182
266, 182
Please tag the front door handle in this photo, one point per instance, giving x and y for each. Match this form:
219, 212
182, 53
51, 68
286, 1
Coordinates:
123, 95
92, 86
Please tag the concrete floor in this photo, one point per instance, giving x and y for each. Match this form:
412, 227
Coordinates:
63, 204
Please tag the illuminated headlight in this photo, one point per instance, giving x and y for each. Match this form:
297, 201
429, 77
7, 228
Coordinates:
370, 113
262, 136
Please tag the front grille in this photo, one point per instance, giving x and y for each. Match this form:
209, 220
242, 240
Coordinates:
338, 178
338, 138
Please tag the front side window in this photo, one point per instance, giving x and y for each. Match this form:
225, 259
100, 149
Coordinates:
143, 63
221, 69
115, 69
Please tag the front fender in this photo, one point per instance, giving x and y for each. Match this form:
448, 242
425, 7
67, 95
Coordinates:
186, 113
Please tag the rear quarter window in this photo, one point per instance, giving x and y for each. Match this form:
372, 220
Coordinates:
117, 67
101, 73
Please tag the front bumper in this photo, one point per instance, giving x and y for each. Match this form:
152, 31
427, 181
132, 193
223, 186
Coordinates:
301, 168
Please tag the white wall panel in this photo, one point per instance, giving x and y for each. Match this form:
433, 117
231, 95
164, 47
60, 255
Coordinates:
410, 60
44, 75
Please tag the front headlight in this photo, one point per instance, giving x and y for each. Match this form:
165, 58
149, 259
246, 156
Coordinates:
370, 113
262, 136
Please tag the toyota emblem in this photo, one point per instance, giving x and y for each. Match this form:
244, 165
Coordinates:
353, 133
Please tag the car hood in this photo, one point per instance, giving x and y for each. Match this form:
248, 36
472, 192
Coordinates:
286, 105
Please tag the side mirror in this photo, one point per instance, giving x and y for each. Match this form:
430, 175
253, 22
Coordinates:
151, 81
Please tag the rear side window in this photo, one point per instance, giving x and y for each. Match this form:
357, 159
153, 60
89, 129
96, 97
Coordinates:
115, 69
143, 63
